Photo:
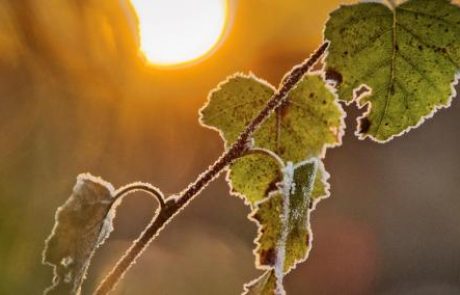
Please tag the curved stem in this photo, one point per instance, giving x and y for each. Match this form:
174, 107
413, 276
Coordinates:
139, 186
175, 204
268, 153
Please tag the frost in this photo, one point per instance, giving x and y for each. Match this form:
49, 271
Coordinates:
68, 278
287, 187
82, 224
66, 261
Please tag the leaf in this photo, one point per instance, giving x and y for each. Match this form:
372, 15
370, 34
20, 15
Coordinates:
254, 176
263, 285
309, 121
320, 189
408, 57
82, 224
303, 127
283, 219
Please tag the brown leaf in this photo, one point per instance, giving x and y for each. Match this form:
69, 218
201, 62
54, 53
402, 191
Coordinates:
82, 224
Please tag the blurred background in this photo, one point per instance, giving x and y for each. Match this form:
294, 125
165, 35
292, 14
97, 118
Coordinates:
76, 95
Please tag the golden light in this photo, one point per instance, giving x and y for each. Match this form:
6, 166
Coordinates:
174, 32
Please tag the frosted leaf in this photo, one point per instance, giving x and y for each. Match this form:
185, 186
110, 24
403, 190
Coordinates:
284, 222
263, 285
307, 123
401, 63
82, 224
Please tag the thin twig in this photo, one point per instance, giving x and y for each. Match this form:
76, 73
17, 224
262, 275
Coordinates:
175, 204
139, 186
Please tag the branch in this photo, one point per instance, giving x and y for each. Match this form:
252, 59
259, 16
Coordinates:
175, 204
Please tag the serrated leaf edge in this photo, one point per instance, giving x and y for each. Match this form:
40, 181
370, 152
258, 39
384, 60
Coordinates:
218, 88
368, 106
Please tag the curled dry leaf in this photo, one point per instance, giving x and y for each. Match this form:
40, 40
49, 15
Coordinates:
82, 224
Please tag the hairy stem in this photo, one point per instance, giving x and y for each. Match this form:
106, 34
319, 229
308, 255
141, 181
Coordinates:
145, 187
175, 204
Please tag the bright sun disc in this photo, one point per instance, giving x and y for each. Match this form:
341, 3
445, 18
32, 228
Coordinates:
173, 32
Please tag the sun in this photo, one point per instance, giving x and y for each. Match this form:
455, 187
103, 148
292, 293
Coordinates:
174, 32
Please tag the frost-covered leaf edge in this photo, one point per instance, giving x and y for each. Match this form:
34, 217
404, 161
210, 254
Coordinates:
367, 106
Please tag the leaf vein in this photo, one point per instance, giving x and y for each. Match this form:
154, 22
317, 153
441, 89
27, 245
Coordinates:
426, 44
420, 72
427, 15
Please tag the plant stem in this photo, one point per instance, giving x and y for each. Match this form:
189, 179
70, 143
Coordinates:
175, 204
139, 186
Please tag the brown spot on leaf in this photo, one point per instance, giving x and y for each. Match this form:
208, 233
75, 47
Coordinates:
267, 257
333, 75
364, 125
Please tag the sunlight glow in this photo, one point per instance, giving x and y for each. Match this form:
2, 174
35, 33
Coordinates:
179, 31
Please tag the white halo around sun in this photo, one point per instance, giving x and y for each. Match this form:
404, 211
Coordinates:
174, 32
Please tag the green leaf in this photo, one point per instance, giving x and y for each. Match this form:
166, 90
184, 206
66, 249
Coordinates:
271, 215
309, 121
254, 177
283, 219
320, 189
82, 224
408, 57
263, 285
